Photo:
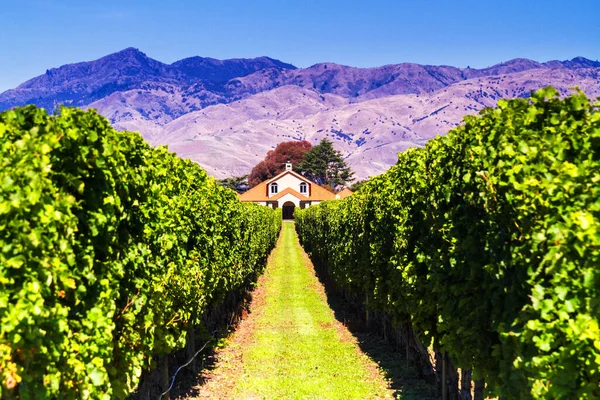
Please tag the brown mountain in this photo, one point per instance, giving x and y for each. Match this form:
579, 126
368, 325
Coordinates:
226, 114
230, 139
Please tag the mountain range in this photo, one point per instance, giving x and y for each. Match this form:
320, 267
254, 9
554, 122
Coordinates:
226, 114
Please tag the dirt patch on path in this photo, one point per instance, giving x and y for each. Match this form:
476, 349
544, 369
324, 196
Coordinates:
225, 365
312, 355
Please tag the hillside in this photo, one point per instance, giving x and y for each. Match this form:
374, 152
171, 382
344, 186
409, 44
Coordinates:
83, 83
226, 114
370, 133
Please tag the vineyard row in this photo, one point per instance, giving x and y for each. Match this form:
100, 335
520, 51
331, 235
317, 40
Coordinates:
486, 245
110, 252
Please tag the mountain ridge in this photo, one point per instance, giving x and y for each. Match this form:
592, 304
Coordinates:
369, 133
82, 83
226, 114
130, 68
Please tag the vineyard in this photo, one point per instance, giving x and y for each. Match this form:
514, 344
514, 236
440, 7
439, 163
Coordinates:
485, 245
111, 253
477, 254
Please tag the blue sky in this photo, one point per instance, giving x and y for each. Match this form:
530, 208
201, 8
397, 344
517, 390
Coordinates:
41, 34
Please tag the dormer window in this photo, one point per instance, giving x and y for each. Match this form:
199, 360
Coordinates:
303, 188
274, 188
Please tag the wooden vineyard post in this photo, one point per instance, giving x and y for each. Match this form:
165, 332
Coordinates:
191, 347
164, 376
368, 322
407, 345
465, 384
479, 389
444, 377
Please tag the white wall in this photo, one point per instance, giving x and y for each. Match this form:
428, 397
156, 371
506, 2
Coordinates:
289, 197
287, 181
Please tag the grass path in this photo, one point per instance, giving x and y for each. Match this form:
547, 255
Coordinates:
291, 346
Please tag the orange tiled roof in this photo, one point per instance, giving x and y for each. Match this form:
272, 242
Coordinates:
290, 191
345, 193
259, 192
320, 193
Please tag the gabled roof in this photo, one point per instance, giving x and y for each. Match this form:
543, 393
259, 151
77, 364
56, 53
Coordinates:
259, 192
344, 193
320, 193
288, 191
297, 175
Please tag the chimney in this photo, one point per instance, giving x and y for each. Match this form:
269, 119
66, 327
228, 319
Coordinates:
288, 166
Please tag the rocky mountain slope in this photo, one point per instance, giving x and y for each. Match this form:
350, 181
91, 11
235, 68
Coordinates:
83, 83
370, 133
227, 114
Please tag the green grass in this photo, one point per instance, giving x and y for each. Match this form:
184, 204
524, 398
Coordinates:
296, 351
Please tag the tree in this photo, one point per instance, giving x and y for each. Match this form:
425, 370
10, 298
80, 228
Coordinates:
237, 183
357, 185
324, 165
274, 162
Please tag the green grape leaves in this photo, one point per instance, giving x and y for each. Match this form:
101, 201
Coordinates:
110, 249
486, 241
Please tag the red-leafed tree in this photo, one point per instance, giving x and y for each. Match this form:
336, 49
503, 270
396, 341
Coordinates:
274, 162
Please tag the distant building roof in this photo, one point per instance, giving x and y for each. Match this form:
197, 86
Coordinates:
343, 194
260, 193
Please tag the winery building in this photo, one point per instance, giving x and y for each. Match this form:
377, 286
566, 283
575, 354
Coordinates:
289, 190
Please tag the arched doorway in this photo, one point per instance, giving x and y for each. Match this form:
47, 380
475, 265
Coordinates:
288, 210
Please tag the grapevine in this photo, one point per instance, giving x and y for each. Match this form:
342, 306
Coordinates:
487, 243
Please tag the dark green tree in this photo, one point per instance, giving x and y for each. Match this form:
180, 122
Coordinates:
324, 165
357, 185
237, 183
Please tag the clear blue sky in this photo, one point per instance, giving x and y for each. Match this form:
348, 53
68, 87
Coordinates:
40, 34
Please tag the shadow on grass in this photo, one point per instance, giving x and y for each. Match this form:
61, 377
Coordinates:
403, 378
189, 383
191, 377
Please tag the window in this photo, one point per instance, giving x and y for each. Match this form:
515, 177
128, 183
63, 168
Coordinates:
274, 188
303, 188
